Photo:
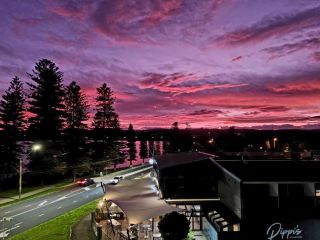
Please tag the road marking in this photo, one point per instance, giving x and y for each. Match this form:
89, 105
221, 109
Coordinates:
40, 215
75, 201
41, 204
7, 212
29, 210
60, 207
1, 230
86, 188
50, 203
6, 233
18, 223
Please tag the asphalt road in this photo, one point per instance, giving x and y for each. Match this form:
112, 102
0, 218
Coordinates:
30, 213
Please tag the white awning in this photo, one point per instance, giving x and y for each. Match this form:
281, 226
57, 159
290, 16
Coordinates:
138, 199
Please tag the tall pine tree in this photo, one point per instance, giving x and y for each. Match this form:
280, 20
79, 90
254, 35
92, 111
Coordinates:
105, 116
76, 113
143, 150
131, 144
46, 100
12, 109
12, 122
76, 107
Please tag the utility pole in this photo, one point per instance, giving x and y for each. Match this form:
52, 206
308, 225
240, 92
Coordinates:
34, 148
20, 178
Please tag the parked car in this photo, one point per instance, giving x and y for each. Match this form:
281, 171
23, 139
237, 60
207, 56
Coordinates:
116, 180
85, 182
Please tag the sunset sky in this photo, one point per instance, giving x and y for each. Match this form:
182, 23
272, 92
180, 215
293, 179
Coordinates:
208, 63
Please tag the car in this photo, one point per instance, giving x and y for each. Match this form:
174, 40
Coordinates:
82, 182
116, 180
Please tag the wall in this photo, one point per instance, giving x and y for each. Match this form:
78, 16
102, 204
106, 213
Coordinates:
230, 193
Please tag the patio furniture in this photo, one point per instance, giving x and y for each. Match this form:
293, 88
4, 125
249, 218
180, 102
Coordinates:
156, 236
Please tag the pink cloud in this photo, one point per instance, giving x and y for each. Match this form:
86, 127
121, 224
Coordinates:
179, 83
311, 86
236, 58
271, 26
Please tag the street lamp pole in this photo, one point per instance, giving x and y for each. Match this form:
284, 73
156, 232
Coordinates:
20, 178
34, 148
274, 142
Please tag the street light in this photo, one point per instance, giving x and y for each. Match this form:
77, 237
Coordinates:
274, 142
34, 148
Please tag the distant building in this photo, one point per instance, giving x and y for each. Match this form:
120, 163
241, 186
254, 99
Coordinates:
253, 199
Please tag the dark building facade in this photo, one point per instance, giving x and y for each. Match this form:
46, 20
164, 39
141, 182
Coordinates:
269, 200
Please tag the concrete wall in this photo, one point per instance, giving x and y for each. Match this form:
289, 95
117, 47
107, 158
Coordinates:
229, 192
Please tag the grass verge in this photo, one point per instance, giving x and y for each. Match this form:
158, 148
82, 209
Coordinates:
14, 192
59, 227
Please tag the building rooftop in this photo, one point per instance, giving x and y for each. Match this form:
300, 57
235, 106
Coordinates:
175, 159
273, 171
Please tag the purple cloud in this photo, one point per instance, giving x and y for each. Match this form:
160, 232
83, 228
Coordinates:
272, 26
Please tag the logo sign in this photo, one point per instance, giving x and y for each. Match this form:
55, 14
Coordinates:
277, 231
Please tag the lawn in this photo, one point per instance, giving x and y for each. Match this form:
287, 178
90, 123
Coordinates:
13, 193
59, 227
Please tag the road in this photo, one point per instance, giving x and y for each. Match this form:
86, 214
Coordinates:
30, 213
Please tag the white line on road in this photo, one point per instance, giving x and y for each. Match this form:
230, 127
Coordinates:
60, 207
44, 202
86, 188
6, 233
18, 223
40, 215
7, 212
50, 203
75, 201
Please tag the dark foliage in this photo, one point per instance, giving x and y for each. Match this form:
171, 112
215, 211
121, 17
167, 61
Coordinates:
12, 121
143, 150
12, 109
174, 226
46, 100
105, 116
76, 107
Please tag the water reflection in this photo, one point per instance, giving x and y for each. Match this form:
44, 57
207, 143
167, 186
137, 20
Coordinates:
136, 153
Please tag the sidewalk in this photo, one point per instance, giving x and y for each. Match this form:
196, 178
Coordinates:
82, 230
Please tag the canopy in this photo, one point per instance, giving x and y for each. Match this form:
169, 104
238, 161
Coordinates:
138, 199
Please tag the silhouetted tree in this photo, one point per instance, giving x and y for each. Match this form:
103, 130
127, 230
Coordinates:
12, 121
76, 113
131, 133
143, 150
175, 126
76, 107
180, 140
106, 124
131, 144
12, 109
46, 100
174, 226
105, 117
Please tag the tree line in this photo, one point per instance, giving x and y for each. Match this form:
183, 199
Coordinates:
57, 116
